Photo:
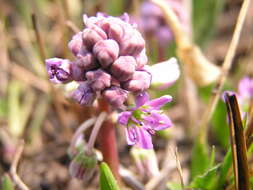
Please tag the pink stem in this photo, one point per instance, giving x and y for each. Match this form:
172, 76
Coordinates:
107, 141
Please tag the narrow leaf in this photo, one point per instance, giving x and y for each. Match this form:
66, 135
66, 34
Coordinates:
207, 180
199, 155
6, 183
107, 180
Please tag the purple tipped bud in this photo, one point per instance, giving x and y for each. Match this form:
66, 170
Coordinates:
114, 28
77, 73
98, 79
58, 70
84, 95
139, 82
83, 166
93, 35
106, 52
132, 43
123, 68
86, 61
115, 96
76, 43
141, 59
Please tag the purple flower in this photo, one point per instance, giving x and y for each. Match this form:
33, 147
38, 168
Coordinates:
123, 68
116, 96
98, 80
144, 120
109, 58
76, 43
245, 93
152, 20
58, 70
139, 82
84, 94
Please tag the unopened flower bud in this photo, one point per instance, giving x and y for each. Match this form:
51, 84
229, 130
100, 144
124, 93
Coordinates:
139, 82
132, 43
98, 79
93, 35
115, 96
58, 70
106, 51
83, 166
76, 43
84, 94
77, 73
123, 68
86, 61
141, 59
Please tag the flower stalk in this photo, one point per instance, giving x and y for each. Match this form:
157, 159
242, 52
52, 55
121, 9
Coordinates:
107, 142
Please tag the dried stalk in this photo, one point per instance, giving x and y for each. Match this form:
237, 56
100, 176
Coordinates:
238, 143
224, 71
14, 165
38, 38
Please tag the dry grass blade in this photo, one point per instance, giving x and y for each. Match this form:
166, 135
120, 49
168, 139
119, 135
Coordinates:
38, 38
239, 149
225, 69
179, 168
14, 166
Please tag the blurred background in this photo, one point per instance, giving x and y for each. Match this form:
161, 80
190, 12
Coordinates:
33, 109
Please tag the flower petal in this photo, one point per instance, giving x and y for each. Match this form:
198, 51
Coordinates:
144, 138
124, 117
141, 99
164, 74
159, 102
131, 135
245, 87
157, 121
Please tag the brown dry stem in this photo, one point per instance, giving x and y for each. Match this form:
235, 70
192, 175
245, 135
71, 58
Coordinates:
14, 165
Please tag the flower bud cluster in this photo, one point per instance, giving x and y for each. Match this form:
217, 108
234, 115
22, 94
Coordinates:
153, 22
110, 59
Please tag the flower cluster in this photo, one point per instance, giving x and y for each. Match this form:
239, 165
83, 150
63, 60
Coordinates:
153, 23
110, 59
144, 119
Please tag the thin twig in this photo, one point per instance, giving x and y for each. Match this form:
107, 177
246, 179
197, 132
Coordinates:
100, 119
72, 26
224, 72
38, 38
83, 127
14, 165
179, 168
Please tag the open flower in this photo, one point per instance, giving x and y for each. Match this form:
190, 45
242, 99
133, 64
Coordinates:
144, 120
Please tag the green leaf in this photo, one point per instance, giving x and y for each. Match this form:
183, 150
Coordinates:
212, 158
6, 183
204, 17
206, 180
200, 159
220, 125
174, 186
107, 181
225, 166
